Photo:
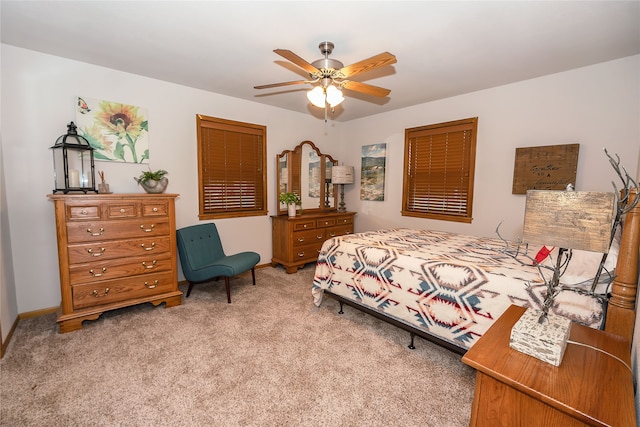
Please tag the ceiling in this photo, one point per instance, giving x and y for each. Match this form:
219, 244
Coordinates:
443, 48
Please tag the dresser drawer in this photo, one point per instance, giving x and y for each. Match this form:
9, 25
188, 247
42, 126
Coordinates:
113, 269
326, 222
344, 220
156, 208
84, 212
339, 231
303, 238
304, 225
130, 288
96, 231
98, 251
308, 253
126, 209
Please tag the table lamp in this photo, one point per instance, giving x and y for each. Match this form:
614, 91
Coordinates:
342, 175
580, 220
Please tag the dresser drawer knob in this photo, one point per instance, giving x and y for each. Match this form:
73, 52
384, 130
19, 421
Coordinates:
301, 254
83, 212
99, 233
96, 253
319, 236
304, 226
155, 283
153, 245
122, 210
155, 209
332, 234
300, 239
97, 294
153, 264
148, 230
94, 274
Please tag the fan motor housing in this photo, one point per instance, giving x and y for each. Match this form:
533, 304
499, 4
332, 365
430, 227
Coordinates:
327, 64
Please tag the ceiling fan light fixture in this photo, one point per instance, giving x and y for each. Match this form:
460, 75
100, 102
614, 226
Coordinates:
329, 76
316, 97
334, 96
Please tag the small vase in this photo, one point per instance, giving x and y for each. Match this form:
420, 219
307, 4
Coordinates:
155, 187
292, 209
103, 188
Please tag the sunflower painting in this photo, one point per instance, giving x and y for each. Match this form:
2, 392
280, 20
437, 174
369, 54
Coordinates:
117, 132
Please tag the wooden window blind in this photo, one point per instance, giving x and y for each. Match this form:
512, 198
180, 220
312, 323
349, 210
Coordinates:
231, 168
438, 170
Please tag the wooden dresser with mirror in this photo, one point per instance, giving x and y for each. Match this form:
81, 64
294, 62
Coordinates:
297, 240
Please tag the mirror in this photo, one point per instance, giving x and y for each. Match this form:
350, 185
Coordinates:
306, 172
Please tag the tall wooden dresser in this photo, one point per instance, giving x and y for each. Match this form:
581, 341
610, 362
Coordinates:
297, 240
114, 250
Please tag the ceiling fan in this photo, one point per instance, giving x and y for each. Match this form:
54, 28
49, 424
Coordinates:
329, 75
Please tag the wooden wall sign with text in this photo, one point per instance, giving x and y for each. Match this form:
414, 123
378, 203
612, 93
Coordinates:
549, 167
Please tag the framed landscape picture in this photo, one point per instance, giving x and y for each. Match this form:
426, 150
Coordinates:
373, 166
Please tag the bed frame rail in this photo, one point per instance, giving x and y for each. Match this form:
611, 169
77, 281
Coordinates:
405, 326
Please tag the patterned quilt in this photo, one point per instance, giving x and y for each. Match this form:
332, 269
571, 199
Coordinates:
448, 285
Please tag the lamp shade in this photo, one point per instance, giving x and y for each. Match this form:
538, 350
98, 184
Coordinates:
334, 96
316, 96
342, 175
579, 220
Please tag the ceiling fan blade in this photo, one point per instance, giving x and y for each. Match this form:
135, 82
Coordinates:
365, 88
287, 54
369, 64
299, 82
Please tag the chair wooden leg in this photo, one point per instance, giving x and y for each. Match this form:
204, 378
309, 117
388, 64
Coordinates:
253, 275
189, 290
226, 283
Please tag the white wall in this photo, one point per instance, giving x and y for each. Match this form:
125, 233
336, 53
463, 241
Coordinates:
8, 301
38, 102
596, 106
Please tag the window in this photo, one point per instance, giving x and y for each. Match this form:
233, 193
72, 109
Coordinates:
231, 168
439, 163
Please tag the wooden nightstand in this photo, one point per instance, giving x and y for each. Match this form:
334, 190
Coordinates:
588, 388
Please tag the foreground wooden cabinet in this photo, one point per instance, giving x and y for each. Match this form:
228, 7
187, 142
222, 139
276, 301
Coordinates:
114, 250
589, 388
297, 240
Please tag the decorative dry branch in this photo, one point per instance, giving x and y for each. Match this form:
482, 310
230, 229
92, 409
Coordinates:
557, 269
624, 202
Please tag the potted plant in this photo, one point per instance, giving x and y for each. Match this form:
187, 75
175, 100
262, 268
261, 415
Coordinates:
291, 200
153, 181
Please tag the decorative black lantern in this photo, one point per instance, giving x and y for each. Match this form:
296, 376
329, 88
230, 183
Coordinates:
73, 167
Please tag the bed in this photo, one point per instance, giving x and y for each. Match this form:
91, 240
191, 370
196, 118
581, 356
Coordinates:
449, 288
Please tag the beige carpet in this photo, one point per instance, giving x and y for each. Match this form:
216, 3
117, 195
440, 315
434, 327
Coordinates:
271, 358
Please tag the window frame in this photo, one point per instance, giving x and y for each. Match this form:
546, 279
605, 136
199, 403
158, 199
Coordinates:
466, 172
237, 128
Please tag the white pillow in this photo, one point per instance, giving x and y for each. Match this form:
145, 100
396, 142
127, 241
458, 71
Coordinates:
583, 265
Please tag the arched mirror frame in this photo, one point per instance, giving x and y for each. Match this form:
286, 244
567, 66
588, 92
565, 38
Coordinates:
295, 173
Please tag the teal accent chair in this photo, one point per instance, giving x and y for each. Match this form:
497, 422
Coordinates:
203, 259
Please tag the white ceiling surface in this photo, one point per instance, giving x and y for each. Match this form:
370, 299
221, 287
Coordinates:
443, 48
